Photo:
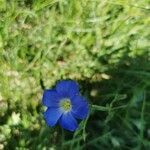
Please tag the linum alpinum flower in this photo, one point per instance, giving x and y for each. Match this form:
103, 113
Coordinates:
65, 105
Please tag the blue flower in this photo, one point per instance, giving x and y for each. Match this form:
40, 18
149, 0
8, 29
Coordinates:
65, 105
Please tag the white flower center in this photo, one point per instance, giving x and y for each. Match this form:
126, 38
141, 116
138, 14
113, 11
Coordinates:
65, 104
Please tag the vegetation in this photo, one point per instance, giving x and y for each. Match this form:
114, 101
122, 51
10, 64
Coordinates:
102, 44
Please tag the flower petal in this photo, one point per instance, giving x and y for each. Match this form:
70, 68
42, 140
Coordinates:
80, 107
52, 115
67, 88
68, 122
50, 98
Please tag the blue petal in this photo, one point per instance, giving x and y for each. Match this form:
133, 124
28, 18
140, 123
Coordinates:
68, 122
80, 107
67, 88
52, 115
50, 98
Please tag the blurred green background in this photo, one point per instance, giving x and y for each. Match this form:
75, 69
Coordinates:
102, 44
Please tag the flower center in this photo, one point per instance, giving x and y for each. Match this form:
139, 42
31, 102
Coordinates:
65, 104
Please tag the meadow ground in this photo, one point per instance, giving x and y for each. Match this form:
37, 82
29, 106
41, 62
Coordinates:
102, 44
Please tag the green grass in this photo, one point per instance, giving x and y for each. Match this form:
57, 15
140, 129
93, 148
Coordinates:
102, 44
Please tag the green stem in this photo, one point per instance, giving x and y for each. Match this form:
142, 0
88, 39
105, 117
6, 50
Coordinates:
100, 108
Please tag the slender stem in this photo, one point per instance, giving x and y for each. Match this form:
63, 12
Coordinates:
107, 108
101, 108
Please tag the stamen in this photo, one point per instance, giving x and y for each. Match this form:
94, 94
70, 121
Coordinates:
65, 104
